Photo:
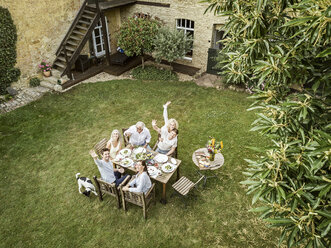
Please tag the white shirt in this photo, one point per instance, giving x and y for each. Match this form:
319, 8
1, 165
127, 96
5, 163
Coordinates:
138, 139
166, 144
141, 183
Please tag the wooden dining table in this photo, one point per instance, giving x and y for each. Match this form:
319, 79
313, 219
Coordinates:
163, 178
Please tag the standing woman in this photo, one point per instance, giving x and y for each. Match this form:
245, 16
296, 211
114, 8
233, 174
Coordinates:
114, 143
142, 182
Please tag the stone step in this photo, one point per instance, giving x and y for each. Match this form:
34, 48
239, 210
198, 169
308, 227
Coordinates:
47, 84
51, 79
56, 73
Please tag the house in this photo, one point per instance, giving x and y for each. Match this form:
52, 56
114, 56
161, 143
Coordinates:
65, 29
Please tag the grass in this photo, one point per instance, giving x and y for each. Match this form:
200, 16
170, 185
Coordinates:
46, 142
154, 73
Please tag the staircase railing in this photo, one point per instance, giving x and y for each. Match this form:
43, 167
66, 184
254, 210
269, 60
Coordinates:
73, 24
81, 44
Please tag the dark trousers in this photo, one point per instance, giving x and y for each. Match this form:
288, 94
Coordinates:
118, 177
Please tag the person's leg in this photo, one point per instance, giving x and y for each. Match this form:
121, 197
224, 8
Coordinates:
120, 180
117, 175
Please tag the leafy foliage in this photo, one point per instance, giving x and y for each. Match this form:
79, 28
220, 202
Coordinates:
153, 73
34, 82
272, 45
171, 44
8, 38
136, 36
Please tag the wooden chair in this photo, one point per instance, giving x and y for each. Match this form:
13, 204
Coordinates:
174, 154
184, 186
105, 188
100, 145
125, 139
140, 199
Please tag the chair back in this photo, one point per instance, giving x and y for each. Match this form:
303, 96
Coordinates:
105, 188
100, 145
125, 139
140, 199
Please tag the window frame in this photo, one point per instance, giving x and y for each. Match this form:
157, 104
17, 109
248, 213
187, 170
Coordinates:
186, 29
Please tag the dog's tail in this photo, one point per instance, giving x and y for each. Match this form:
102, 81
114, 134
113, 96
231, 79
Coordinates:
77, 175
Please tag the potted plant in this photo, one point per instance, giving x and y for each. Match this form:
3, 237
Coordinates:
45, 68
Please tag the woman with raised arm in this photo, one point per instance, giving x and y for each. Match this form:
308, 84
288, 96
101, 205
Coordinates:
168, 133
114, 143
142, 182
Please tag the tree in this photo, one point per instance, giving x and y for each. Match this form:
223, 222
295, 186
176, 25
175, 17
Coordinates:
171, 44
136, 36
8, 39
271, 45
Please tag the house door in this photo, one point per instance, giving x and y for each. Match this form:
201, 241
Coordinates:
216, 46
98, 44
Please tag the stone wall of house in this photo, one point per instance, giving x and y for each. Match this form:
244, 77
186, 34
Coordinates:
41, 26
184, 9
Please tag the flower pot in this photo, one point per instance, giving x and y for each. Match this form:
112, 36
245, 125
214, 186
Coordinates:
47, 73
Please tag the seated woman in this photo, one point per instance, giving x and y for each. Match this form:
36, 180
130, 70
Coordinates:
142, 182
114, 143
168, 133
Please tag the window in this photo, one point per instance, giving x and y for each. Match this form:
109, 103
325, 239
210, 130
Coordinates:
188, 27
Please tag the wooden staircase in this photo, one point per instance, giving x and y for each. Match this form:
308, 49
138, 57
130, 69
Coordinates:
78, 34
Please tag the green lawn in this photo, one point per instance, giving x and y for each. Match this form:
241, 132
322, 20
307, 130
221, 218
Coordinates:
43, 145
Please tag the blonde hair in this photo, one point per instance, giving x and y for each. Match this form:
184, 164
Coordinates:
172, 121
111, 136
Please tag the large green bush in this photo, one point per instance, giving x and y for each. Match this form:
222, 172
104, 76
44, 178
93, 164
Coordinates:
8, 38
171, 44
136, 36
271, 45
153, 73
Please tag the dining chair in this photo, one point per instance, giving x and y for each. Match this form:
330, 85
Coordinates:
140, 199
184, 186
105, 188
100, 145
126, 140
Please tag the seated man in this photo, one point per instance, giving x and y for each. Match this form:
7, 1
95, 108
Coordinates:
105, 166
139, 135
168, 140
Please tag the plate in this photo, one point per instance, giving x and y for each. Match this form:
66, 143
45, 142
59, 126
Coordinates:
168, 167
173, 161
126, 162
152, 171
119, 157
161, 158
140, 156
139, 150
125, 152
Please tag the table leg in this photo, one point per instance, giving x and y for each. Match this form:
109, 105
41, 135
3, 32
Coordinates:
177, 174
164, 197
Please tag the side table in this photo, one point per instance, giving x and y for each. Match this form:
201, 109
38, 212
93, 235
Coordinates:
214, 165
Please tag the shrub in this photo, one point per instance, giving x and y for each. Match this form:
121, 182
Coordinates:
171, 44
8, 38
153, 73
136, 36
34, 82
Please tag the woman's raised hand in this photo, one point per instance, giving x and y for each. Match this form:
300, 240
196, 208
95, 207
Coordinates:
167, 104
153, 122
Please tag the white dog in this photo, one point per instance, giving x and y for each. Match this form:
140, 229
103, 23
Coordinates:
87, 183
